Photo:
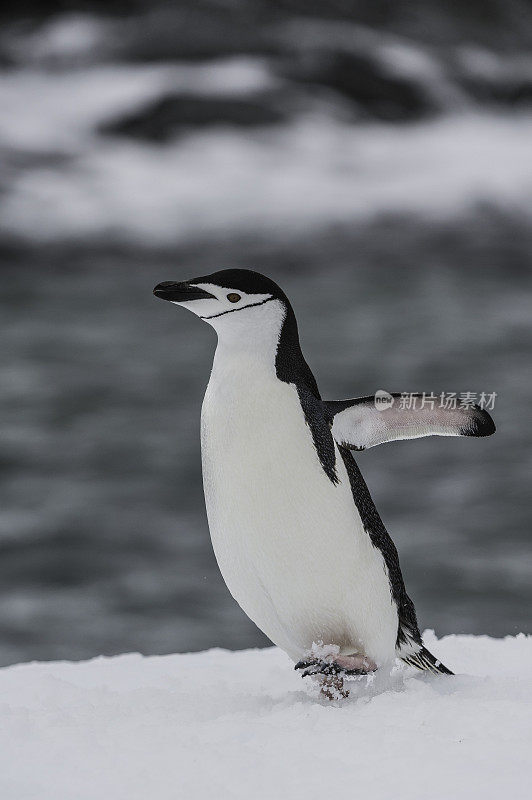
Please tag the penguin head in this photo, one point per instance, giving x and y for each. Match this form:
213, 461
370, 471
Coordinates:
231, 300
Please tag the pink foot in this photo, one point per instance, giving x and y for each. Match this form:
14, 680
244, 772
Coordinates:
355, 662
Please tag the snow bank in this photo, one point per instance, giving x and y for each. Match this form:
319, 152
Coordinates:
66, 181
244, 725
310, 172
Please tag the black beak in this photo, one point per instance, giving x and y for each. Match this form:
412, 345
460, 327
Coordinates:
179, 292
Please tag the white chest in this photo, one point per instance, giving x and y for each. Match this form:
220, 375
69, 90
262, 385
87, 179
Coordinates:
290, 544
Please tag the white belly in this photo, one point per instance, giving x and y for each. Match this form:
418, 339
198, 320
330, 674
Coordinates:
290, 544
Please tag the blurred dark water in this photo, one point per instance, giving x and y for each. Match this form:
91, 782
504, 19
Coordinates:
104, 545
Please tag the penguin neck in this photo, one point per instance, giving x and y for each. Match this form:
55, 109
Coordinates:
290, 364
270, 345
249, 338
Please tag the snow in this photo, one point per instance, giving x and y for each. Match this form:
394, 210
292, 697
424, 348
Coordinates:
285, 180
65, 180
244, 725
47, 112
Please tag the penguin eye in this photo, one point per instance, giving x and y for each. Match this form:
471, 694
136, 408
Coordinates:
233, 297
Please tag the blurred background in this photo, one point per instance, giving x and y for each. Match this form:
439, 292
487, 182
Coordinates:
373, 157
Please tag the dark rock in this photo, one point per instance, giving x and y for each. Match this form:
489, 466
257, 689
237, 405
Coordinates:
164, 118
368, 83
516, 92
195, 31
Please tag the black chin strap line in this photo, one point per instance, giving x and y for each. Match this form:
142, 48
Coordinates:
231, 310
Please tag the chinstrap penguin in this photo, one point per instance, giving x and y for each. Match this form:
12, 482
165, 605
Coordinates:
295, 531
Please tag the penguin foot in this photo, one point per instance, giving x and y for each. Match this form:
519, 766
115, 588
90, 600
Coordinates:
338, 665
331, 670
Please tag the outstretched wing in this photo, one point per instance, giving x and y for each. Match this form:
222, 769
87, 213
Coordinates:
362, 422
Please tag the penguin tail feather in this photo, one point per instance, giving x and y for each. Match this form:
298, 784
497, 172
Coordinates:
424, 660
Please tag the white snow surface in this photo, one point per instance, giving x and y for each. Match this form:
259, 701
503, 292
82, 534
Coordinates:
244, 725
